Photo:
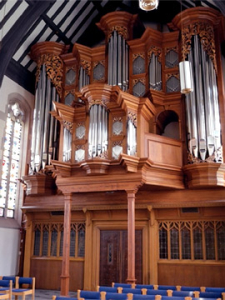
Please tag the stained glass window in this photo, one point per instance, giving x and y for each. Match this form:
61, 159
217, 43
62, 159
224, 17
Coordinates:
11, 161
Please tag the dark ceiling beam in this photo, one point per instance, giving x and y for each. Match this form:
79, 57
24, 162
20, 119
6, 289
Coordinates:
21, 76
56, 30
15, 34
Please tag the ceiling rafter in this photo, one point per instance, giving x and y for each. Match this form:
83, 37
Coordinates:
13, 37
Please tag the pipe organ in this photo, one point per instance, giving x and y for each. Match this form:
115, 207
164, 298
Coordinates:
98, 131
103, 150
202, 107
86, 87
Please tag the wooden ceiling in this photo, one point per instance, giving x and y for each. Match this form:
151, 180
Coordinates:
24, 23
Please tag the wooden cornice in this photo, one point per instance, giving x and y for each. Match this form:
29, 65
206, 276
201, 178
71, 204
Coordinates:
63, 112
195, 14
52, 48
161, 98
118, 19
113, 98
149, 37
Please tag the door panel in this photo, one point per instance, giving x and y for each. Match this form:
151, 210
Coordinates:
113, 256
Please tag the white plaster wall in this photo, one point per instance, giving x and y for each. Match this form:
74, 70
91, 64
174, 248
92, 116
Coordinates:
9, 251
10, 228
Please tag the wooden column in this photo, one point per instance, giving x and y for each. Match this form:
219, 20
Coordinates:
28, 243
65, 277
131, 237
153, 247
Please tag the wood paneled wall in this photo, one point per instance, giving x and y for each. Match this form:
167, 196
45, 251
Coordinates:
191, 274
47, 273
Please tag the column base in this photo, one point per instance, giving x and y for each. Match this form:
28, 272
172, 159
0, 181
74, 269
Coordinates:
130, 281
65, 280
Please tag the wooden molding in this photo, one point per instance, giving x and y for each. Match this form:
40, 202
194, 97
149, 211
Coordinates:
205, 175
39, 184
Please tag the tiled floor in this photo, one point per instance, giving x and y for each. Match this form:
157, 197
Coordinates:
46, 294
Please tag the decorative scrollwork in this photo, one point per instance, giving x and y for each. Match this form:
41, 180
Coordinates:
54, 70
133, 117
136, 55
206, 35
102, 62
157, 51
69, 92
175, 49
68, 126
121, 30
216, 157
102, 102
176, 75
142, 80
86, 65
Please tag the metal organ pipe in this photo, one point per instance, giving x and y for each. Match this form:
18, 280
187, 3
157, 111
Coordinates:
44, 131
98, 131
84, 78
131, 138
118, 61
202, 106
155, 77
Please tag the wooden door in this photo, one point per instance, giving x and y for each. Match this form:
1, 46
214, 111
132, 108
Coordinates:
113, 256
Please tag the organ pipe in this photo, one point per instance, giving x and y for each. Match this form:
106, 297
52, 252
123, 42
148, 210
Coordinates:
98, 131
67, 139
202, 107
118, 61
131, 138
84, 78
155, 77
44, 131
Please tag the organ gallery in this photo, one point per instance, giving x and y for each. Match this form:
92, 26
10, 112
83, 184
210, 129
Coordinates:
126, 173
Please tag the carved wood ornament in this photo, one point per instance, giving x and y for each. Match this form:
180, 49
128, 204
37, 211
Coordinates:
86, 66
54, 70
157, 51
68, 126
121, 30
206, 35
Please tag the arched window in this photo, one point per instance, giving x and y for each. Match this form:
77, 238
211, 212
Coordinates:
11, 160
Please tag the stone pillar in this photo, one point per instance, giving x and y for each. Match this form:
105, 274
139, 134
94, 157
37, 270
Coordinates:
65, 277
131, 237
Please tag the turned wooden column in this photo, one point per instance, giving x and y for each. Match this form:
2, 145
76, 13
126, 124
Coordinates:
131, 237
65, 277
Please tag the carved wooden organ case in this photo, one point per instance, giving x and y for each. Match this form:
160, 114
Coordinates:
106, 97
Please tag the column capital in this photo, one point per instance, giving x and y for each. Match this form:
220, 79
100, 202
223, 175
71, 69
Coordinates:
67, 196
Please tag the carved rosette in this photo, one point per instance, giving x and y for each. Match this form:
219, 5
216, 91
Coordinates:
157, 51
68, 126
136, 55
54, 70
133, 117
86, 65
206, 35
121, 30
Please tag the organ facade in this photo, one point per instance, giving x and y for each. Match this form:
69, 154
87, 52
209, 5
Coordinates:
126, 177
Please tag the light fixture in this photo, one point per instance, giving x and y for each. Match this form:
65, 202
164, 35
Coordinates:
186, 78
148, 4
